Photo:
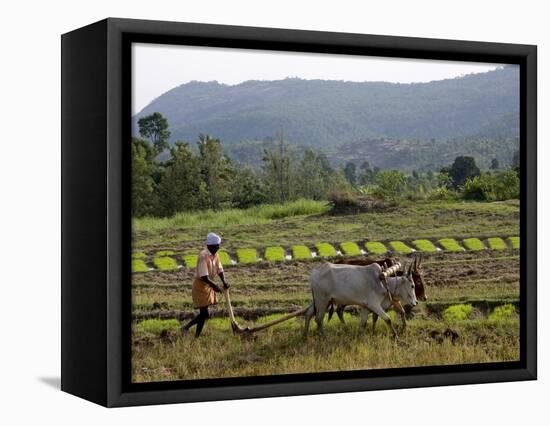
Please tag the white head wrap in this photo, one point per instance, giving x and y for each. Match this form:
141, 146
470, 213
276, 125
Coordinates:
213, 239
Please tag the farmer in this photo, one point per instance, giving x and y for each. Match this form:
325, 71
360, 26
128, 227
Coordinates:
204, 289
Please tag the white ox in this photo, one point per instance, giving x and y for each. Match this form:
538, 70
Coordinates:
356, 285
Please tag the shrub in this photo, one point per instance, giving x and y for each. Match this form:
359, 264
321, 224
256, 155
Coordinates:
457, 312
275, 254
301, 252
441, 194
492, 187
247, 255
496, 243
190, 260
400, 247
155, 326
376, 247
425, 246
165, 263
325, 249
138, 255
163, 253
350, 248
450, 244
139, 265
514, 241
473, 244
503, 312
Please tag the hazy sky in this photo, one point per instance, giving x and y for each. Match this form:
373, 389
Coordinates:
158, 68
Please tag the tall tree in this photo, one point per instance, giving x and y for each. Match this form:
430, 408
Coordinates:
278, 171
463, 168
312, 176
215, 171
155, 127
350, 171
142, 183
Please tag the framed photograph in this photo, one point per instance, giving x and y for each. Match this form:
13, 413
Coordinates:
254, 212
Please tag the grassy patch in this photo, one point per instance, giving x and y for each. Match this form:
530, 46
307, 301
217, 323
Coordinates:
496, 243
350, 248
139, 265
275, 254
457, 312
190, 260
256, 215
325, 250
473, 244
247, 255
400, 247
301, 252
376, 247
450, 244
155, 326
162, 253
514, 241
503, 312
425, 246
138, 255
165, 263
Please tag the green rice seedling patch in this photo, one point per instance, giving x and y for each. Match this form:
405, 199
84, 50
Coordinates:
139, 265
325, 249
376, 247
301, 253
503, 312
514, 241
165, 263
496, 243
224, 258
450, 244
155, 326
473, 244
457, 312
190, 260
138, 255
247, 255
275, 254
400, 247
350, 248
163, 253
425, 246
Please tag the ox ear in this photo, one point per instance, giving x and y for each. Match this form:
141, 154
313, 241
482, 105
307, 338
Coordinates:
409, 272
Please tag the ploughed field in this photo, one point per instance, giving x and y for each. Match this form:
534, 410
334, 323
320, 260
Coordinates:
471, 315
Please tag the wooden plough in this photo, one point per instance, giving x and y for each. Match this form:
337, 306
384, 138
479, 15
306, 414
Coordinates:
237, 329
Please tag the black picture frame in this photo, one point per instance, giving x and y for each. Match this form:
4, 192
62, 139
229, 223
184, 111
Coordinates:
96, 225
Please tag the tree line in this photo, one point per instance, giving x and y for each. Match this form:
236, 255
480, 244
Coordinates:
206, 178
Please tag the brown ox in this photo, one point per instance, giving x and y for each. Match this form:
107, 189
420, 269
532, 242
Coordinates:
417, 277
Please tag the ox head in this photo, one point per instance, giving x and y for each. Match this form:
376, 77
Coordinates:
407, 288
418, 278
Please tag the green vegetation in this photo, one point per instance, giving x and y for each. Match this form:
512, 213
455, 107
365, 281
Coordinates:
400, 247
138, 265
156, 326
473, 244
492, 186
514, 241
425, 246
496, 243
190, 260
457, 312
165, 263
138, 255
325, 250
224, 258
275, 254
247, 255
163, 253
503, 312
257, 215
375, 247
350, 248
450, 244
300, 252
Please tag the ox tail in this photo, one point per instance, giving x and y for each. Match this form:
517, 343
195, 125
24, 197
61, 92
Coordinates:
313, 299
